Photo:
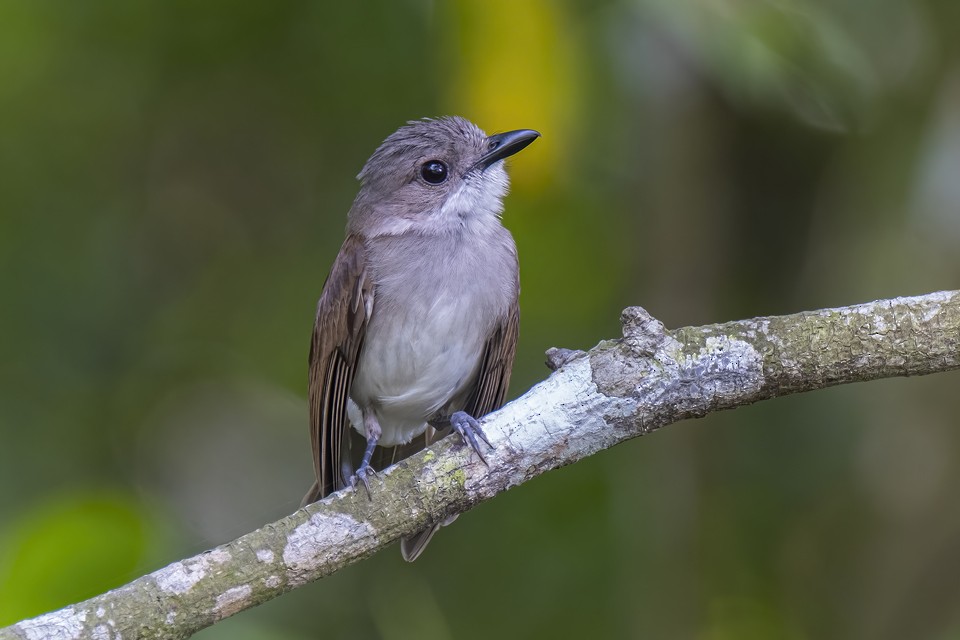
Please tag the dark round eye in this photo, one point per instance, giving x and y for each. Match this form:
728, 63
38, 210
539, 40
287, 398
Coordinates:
433, 171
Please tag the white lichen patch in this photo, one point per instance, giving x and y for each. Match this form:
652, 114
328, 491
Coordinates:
310, 545
556, 419
102, 632
217, 556
65, 624
264, 555
757, 327
179, 577
724, 366
878, 325
272, 582
231, 601
723, 353
545, 401
933, 304
101, 612
931, 312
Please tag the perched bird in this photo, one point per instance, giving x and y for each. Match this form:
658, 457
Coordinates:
417, 325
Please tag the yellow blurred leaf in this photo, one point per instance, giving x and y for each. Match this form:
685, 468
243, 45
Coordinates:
517, 68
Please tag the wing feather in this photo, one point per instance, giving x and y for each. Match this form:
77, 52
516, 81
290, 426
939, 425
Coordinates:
493, 380
338, 331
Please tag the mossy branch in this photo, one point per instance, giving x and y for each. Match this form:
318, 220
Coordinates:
620, 389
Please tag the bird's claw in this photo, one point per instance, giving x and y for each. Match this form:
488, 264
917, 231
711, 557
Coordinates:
469, 429
362, 474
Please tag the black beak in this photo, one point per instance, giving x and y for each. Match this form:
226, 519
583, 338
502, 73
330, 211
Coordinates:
504, 145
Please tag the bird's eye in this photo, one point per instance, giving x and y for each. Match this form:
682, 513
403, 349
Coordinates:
433, 171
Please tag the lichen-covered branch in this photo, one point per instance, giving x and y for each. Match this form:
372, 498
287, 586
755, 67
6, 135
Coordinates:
619, 390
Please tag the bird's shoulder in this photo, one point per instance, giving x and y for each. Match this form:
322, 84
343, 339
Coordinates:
347, 295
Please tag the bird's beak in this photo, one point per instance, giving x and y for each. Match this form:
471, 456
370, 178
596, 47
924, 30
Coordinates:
504, 145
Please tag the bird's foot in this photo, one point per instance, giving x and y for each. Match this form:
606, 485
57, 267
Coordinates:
469, 429
362, 475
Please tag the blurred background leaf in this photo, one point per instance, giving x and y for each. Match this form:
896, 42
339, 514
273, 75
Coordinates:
174, 181
67, 549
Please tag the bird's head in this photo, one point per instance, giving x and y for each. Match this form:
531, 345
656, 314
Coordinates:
434, 177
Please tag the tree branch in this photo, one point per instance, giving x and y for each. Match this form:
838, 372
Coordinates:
620, 389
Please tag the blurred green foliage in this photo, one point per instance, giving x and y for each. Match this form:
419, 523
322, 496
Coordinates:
69, 549
174, 180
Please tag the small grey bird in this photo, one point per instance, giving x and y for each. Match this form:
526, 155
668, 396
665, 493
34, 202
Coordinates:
416, 328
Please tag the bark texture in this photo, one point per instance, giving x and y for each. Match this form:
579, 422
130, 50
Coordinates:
618, 390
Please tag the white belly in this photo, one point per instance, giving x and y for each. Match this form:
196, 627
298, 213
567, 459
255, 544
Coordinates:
416, 363
434, 306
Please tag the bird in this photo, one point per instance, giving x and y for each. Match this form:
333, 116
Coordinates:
416, 327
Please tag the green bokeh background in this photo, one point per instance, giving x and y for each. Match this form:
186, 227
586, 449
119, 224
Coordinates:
174, 180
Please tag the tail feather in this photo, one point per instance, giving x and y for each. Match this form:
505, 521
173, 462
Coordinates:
412, 546
312, 496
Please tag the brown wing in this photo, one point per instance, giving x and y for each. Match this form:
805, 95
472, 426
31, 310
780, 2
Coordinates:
342, 314
496, 366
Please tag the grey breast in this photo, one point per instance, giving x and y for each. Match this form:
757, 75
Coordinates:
437, 300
